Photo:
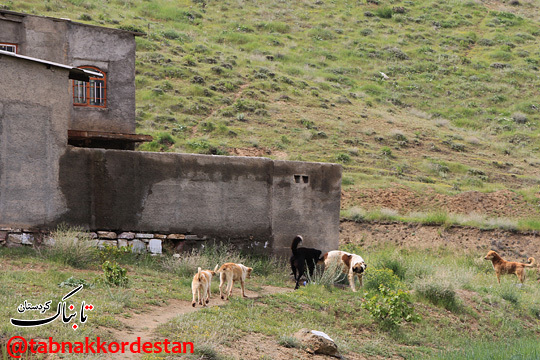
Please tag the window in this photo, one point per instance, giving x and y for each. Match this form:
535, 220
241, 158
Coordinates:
92, 92
8, 47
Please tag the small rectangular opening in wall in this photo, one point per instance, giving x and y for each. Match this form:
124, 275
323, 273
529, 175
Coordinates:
305, 179
297, 179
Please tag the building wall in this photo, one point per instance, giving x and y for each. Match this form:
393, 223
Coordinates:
253, 201
76, 44
34, 111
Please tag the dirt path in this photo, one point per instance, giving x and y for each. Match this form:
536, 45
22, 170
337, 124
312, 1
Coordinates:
144, 324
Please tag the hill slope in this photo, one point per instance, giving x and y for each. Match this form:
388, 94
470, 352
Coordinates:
410, 96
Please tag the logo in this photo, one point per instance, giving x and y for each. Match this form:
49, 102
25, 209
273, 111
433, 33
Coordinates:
61, 311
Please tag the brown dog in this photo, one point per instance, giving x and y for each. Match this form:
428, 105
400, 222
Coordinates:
200, 286
231, 272
503, 267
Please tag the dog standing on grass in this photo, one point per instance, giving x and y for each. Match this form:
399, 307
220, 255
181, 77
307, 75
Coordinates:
200, 286
503, 267
353, 265
229, 273
302, 257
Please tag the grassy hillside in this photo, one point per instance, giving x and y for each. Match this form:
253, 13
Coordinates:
425, 95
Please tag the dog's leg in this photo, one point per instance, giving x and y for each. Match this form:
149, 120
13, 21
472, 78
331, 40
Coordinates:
193, 291
200, 295
351, 281
221, 283
360, 277
242, 286
301, 271
230, 287
498, 277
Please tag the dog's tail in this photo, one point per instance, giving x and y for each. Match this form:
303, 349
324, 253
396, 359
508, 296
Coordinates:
322, 259
199, 274
294, 246
532, 262
215, 269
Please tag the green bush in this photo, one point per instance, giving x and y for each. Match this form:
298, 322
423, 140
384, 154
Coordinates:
439, 294
374, 278
393, 264
390, 307
114, 274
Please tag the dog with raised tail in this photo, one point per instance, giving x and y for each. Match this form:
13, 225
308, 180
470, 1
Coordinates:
229, 273
503, 267
302, 257
351, 264
200, 286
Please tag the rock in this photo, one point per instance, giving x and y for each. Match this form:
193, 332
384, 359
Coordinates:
137, 246
160, 236
176, 236
144, 236
107, 235
27, 239
101, 243
154, 246
122, 243
127, 236
317, 342
14, 240
176, 256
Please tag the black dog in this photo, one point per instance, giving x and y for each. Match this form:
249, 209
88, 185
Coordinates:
302, 257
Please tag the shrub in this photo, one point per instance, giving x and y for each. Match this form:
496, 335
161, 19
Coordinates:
438, 293
519, 118
113, 253
344, 158
330, 276
374, 278
384, 13
386, 151
72, 246
390, 307
289, 342
114, 274
395, 265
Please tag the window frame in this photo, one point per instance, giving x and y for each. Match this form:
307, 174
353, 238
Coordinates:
87, 88
15, 46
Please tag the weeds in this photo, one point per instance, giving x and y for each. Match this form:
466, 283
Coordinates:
71, 246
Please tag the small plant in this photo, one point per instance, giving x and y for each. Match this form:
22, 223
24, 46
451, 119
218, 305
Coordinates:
439, 294
73, 282
344, 158
330, 276
390, 307
113, 253
72, 246
114, 274
384, 13
289, 342
386, 152
374, 278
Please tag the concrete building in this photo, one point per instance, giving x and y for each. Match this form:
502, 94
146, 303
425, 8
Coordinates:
45, 67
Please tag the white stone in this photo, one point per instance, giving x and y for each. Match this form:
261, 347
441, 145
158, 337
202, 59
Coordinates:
138, 246
154, 246
101, 243
122, 243
144, 236
27, 239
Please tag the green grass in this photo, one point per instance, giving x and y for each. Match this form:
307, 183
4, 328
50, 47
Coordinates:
437, 280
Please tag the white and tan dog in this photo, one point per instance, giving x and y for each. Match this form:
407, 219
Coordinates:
200, 286
352, 264
231, 272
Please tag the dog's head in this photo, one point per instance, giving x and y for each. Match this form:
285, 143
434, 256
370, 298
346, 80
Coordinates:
491, 255
248, 272
359, 268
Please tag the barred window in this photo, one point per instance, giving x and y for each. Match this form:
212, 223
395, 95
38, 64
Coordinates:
92, 92
8, 47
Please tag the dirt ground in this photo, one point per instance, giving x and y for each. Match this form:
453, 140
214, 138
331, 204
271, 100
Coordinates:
511, 245
502, 203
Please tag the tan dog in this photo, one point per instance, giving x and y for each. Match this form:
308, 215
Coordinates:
503, 267
352, 265
201, 286
231, 272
